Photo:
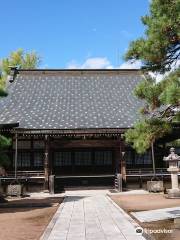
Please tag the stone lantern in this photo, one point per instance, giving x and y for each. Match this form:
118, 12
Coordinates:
173, 160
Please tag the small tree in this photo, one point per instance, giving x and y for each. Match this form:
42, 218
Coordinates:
159, 51
19, 59
4, 143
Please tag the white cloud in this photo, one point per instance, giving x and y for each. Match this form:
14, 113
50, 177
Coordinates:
72, 65
176, 64
159, 76
102, 63
131, 65
91, 63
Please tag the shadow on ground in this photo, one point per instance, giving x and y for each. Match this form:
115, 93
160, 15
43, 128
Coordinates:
23, 204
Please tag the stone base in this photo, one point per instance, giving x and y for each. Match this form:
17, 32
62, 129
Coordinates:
173, 193
155, 186
177, 223
46, 191
15, 190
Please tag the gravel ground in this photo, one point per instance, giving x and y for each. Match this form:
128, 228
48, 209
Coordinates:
26, 219
142, 202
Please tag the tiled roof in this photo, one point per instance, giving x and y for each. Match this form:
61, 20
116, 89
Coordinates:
72, 99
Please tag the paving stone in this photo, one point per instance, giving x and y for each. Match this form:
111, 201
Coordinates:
158, 214
92, 217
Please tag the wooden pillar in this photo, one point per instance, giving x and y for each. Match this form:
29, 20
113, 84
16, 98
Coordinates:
122, 162
16, 156
117, 157
50, 157
46, 163
32, 153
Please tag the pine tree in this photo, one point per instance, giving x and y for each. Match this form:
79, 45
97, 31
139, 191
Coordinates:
19, 59
159, 51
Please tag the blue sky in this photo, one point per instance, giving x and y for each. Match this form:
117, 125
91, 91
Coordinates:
72, 33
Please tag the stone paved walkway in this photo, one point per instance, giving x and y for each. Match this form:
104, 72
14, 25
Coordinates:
90, 217
158, 214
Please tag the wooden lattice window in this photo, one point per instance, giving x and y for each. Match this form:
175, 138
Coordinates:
38, 144
23, 159
128, 156
38, 159
103, 158
22, 144
83, 158
62, 159
143, 158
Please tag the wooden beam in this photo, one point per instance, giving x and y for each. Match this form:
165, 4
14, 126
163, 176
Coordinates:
87, 143
72, 132
46, 163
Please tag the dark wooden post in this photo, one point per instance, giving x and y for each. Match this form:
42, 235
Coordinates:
16, 156
117, 159
46, 163
123, 162
50, 157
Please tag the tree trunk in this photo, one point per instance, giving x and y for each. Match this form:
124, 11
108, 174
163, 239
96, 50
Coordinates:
153, 159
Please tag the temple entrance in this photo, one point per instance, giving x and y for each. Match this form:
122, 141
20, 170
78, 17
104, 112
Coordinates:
83, 162
83, 168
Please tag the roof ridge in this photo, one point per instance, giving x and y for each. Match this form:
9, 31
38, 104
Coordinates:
79, 70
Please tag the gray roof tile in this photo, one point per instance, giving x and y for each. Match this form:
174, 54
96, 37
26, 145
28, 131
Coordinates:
72, 100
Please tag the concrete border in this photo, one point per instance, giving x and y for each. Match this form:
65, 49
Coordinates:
51, 224
130, 219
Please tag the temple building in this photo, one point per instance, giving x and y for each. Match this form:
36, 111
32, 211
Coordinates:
70, 123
